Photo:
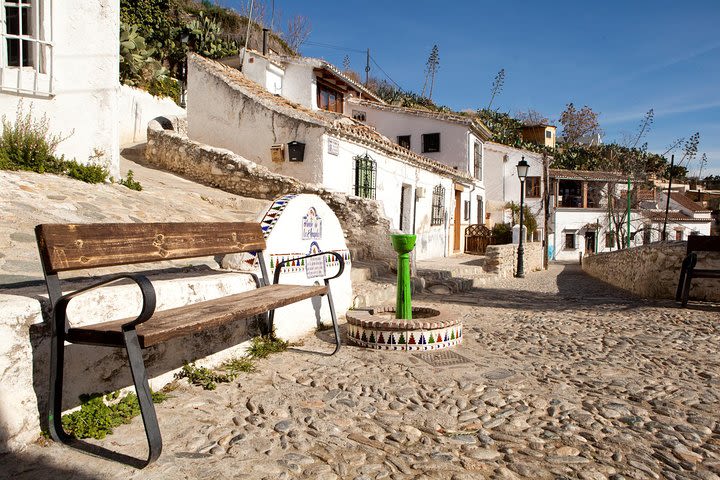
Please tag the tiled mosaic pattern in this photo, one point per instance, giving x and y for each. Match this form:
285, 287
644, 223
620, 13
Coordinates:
406, 340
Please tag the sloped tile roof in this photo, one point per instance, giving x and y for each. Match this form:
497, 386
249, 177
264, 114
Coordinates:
685, 202
589, 175
476, 125
334, 124
675, 216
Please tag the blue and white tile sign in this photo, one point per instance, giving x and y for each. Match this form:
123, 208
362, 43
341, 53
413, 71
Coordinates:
299, 225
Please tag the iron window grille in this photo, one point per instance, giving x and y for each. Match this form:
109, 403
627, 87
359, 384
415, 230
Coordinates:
365, 176
477, 156
466, 215
404, 141
438, 206
26, 53
431, 142
480, 211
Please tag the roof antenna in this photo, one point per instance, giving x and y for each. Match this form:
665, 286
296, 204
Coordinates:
247, 36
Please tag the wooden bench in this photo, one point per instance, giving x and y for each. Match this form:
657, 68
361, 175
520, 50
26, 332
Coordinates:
66, 248
695, 243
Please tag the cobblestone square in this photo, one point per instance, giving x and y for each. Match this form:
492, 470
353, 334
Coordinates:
565, 377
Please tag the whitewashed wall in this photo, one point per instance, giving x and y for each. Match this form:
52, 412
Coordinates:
222, 117
137, 108
85, 70
501, 181
392, 175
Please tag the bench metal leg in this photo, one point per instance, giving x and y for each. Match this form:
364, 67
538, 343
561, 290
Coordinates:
57, 362
681, 282
336, 328
142, 388
692, 261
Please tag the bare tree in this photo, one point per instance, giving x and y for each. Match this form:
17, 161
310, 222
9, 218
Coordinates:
579, 123
298, 31
346, 63
256, 10
497, 86
431, 68
531, 117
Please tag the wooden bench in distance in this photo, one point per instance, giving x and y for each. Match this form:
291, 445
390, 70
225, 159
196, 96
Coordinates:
71, 247
695, 243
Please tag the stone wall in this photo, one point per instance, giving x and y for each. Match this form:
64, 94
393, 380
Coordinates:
501, 260
365, 226
652, 271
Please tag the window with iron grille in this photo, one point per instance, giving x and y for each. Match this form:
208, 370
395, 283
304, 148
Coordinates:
404, 141
480, 211
610, 239
477, 156
466, 212
430, 142
25, 47
438, 205
365, 172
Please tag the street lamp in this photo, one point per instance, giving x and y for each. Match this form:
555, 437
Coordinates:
184, 39
522, 171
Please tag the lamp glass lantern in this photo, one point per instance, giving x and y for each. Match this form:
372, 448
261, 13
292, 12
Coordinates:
522, 169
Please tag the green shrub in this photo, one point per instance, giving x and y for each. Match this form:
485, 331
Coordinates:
96, 418
261, 347
204, 377
165, 87
28, 144
130, 182
86, 173
501, 234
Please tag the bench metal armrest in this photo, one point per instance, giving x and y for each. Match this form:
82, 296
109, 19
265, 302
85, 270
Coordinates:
146, 289
278, 267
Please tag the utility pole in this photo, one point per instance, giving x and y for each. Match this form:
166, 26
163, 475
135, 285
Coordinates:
667, 203
367, 68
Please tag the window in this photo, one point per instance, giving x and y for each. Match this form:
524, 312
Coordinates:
548, 134
532, 186
404, 141
365, 171
466, 211
570, 241
431, 142
438, 206
477, 160
610, 239
678, 235
359, 115
647, 236
23, 46
480, 211
329, 99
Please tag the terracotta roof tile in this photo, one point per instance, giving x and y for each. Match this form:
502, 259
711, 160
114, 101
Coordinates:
675, 216
590, 175
479, 127
685, 202
334, 123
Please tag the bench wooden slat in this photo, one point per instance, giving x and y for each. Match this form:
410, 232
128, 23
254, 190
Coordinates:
705, 273
196, 317
78, 246
703, 243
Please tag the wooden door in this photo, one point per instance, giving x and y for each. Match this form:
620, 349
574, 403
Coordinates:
458, 218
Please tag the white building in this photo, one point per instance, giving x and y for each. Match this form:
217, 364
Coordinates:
590, 211
454, 140
227, 109
503, 186
62, 59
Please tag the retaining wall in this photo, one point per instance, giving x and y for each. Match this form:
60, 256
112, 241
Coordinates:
366, 228
652, 271
501, 260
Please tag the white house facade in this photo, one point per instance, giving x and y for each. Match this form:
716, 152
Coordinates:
62, 60
227, 109
502, 184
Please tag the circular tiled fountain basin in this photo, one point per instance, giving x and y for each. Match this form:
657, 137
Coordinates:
429, 329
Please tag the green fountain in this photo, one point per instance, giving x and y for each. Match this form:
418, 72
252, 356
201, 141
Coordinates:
403, 244
404, 327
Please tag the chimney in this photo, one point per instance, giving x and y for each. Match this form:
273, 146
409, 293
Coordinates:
264, 49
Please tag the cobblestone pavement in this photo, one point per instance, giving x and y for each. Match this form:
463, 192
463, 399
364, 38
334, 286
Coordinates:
561, 377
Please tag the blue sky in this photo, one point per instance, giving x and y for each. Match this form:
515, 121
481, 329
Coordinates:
619, 57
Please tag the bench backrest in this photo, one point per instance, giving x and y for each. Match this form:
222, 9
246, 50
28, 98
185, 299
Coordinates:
703, 243
65, 247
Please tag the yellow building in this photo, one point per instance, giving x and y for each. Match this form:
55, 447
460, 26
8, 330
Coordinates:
540, 134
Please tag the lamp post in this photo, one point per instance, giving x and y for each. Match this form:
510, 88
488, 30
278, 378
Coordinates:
522, 171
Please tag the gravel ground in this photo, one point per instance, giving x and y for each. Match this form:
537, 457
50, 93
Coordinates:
559, 376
